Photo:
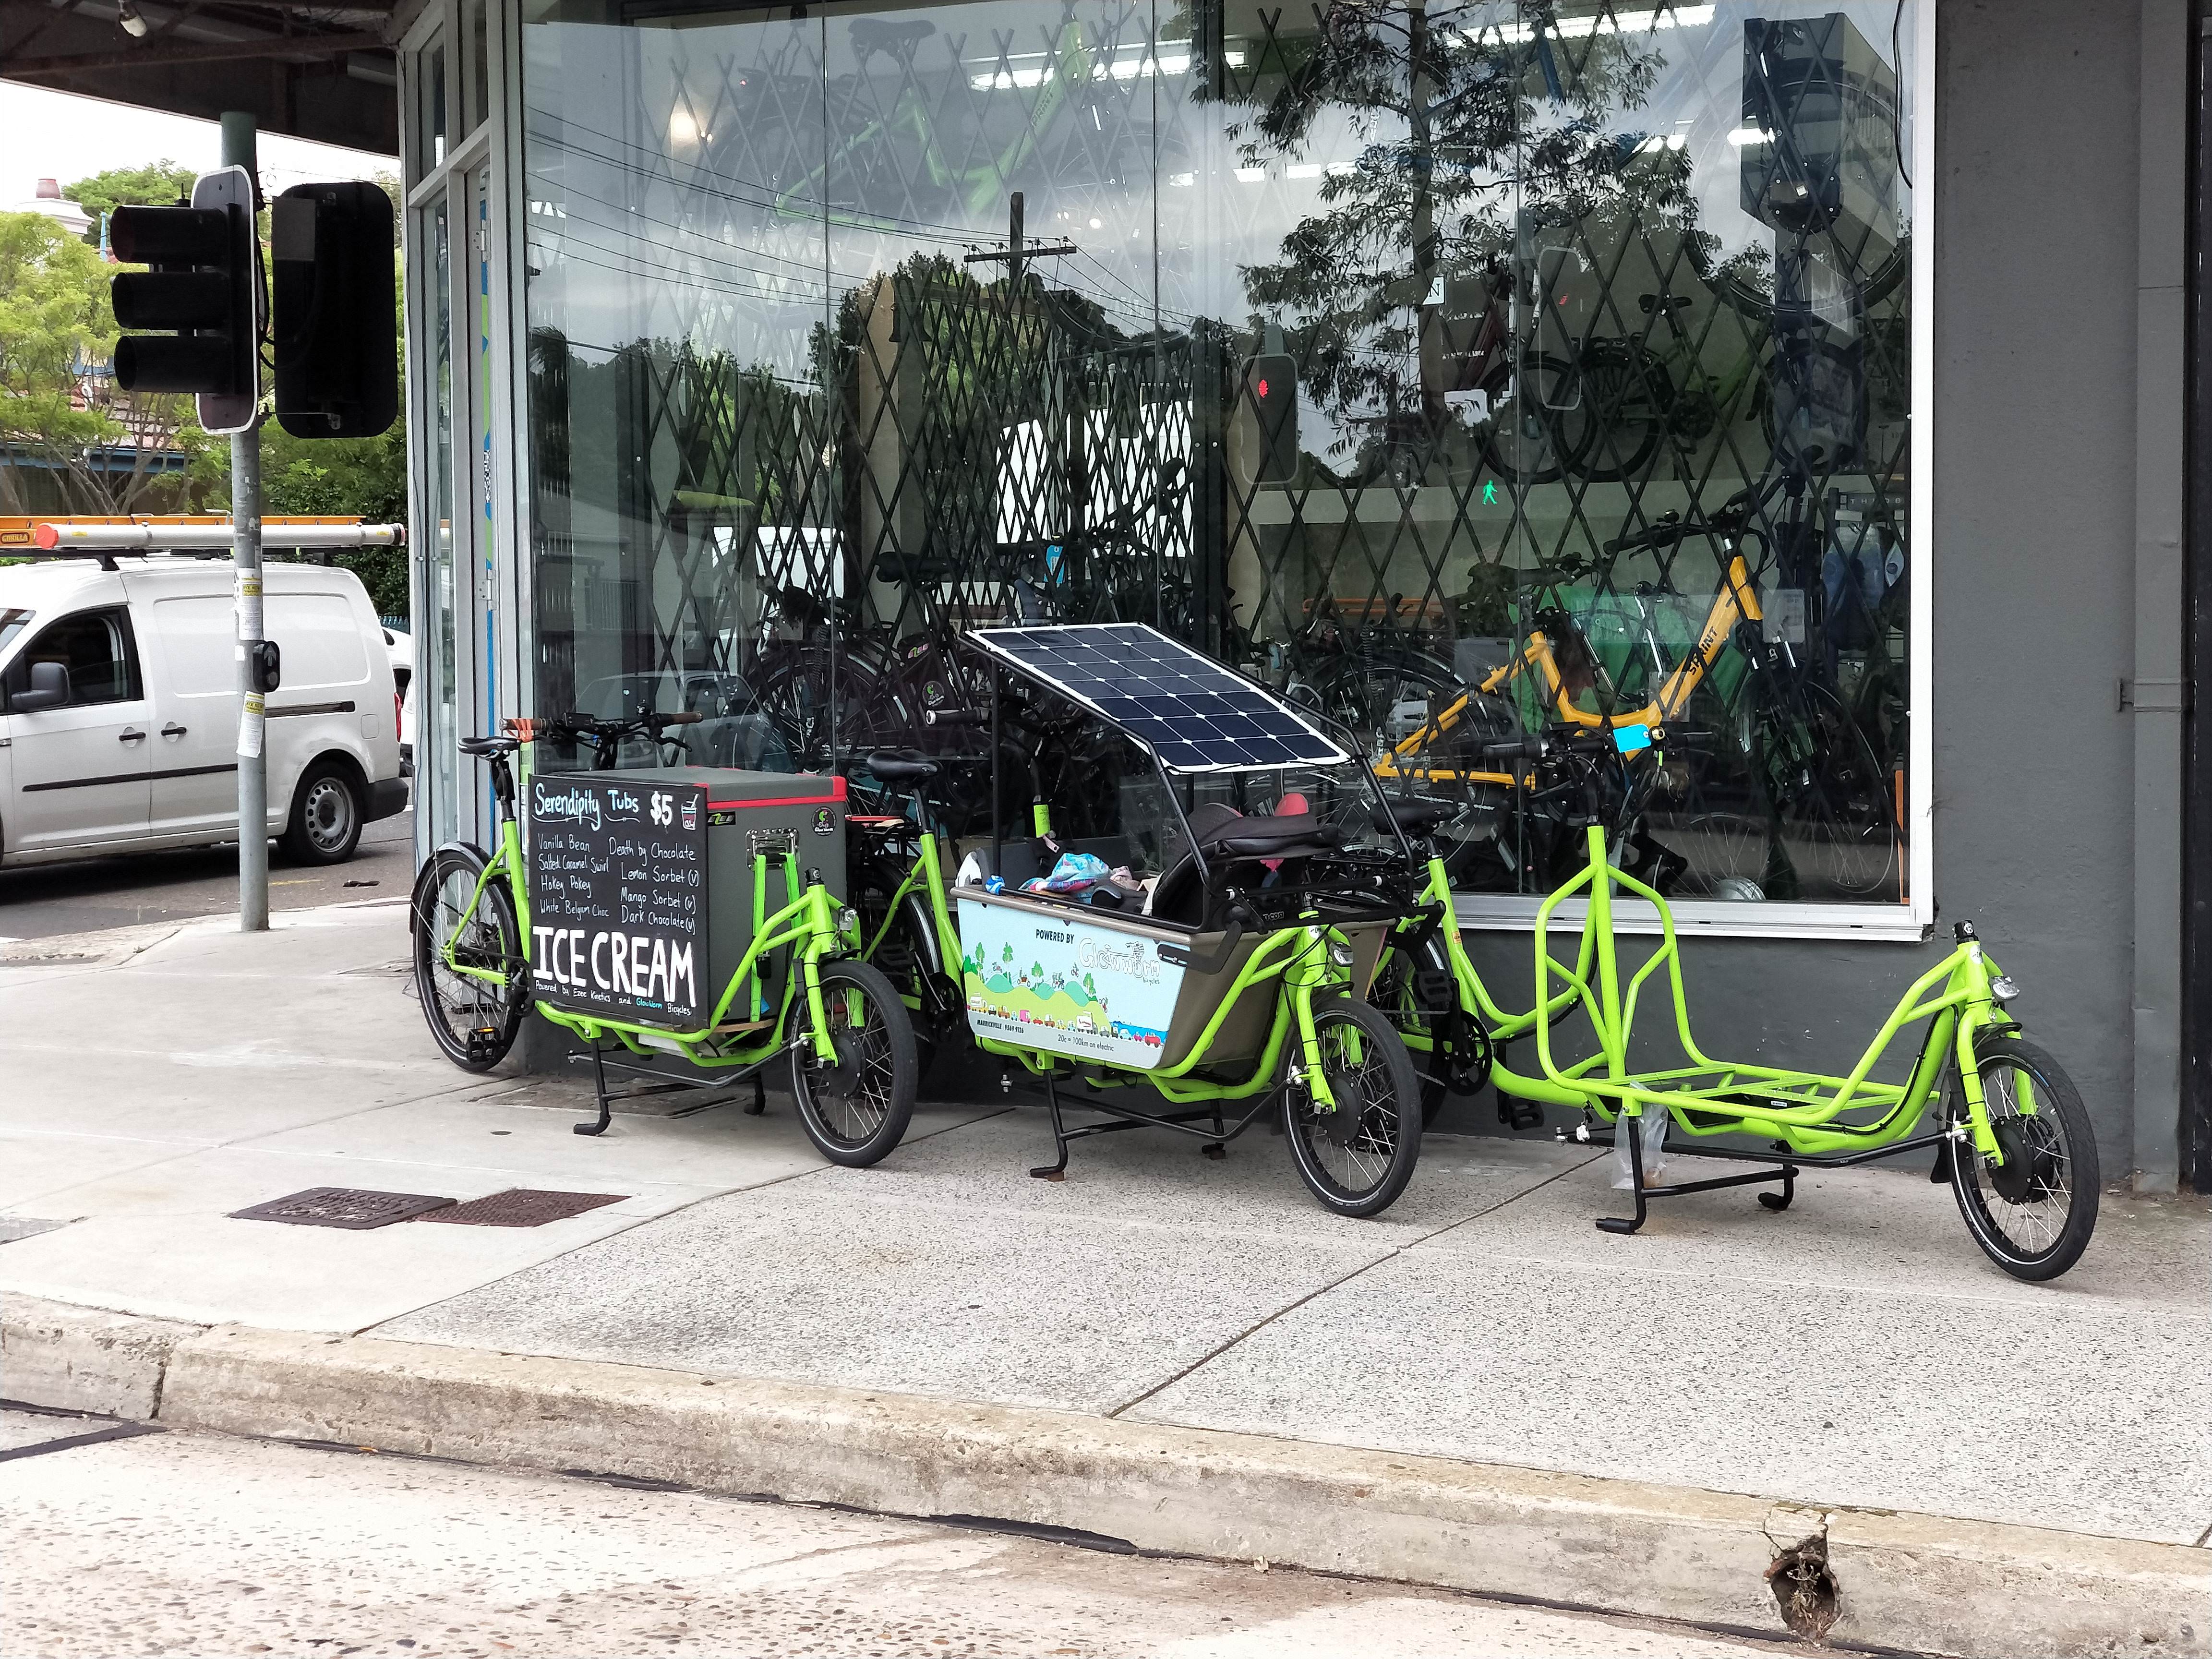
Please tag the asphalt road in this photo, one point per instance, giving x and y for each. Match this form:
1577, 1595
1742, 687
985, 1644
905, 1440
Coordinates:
41, 900
165, 1543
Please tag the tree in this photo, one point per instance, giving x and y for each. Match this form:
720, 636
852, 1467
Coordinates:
1473, 139
158, 184
62, 419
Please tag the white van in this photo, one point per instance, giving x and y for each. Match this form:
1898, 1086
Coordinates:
119, 709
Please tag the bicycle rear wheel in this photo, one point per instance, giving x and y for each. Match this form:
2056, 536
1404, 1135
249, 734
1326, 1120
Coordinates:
475, 1014
2032, 1214
1834, 803
1357, 1157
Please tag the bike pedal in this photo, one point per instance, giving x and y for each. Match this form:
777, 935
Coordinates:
1520, 1114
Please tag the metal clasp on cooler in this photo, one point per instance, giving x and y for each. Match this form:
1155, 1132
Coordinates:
780, 840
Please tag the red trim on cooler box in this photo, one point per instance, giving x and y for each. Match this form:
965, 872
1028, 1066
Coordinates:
788, 800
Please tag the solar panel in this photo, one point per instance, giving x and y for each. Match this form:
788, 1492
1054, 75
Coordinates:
1191, 712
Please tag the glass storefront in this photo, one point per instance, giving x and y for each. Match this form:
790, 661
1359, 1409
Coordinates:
1523, 385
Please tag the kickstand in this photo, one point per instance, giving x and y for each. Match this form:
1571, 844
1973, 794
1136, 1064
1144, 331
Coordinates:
1054, 1171
1624, 1124
759, 1108
599, 1082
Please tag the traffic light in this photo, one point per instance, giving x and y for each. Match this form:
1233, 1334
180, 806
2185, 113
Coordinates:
204, 285
1271, 386
337, 339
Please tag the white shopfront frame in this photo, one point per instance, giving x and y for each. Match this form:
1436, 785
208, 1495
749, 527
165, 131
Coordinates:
475, 182
1912, 921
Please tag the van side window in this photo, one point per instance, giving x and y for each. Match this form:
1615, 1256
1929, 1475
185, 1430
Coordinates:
96, 647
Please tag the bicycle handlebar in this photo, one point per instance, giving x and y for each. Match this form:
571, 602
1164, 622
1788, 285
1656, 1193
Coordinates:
956, 717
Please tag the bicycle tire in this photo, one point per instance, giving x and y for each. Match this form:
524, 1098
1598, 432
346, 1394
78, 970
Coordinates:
1522, 444
1372, 1074
1835, 813
2058, 1149
1619, 381
855, 1109
473, 1026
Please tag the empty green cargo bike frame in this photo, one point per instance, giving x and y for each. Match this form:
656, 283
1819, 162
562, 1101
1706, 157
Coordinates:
2006, 1125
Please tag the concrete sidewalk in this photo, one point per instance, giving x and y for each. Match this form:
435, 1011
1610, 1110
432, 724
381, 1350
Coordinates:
942, 1331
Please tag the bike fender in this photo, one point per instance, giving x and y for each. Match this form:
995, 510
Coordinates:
467, 849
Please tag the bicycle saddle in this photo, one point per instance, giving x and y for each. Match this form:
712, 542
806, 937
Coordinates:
894, 767
1290, 836
490, 745
1415, 817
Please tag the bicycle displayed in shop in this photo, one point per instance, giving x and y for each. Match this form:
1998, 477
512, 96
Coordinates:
1803, 804
837, 1024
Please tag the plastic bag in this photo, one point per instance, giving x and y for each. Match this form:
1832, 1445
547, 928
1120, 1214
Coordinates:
1075, 871
1652, 1129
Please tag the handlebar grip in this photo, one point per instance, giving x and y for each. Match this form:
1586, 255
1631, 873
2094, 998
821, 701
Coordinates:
1515, 749
956, 717
683, 717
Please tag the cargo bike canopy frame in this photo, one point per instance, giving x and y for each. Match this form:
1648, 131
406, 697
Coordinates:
1337, 1071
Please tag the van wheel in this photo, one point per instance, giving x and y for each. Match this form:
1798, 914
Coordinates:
326, 817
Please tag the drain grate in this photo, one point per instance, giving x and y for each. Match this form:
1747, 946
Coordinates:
523, 1206
342, 1206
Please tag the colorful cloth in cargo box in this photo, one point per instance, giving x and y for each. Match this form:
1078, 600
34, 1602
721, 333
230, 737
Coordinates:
617, 897
1066, 984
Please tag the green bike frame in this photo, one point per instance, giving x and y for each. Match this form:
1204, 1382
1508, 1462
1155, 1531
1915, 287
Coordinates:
1805, 1112
807, 923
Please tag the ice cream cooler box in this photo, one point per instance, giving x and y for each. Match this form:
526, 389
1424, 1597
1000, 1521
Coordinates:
647, 887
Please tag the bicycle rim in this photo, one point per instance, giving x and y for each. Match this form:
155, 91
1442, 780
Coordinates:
2031, 1213
474, 1019
851, 1099
1351, 1160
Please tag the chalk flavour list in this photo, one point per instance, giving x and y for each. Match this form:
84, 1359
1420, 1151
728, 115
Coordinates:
618, 898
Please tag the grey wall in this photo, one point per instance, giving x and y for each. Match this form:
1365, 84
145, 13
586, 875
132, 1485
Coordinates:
2038, 142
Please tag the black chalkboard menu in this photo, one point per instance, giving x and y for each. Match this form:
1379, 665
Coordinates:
618, 896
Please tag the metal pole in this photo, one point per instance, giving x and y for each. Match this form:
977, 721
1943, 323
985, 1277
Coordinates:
239, 150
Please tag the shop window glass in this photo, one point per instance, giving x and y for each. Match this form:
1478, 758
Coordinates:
429, 149
1489, 377
476, 50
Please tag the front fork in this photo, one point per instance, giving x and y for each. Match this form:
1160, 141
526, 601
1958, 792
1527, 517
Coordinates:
1973, 977
824, 939
1309, 974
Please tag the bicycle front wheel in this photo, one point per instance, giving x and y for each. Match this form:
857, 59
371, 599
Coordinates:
472, 973
1358, 1156
855, 1108
2032, 1214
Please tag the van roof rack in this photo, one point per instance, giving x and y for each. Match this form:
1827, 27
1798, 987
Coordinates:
64, 539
